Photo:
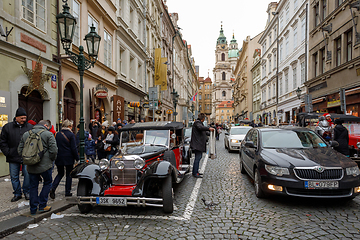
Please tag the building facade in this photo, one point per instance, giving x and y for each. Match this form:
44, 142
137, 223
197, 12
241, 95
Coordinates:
225, 112
256, 80
205, 97
225, 61
334, 56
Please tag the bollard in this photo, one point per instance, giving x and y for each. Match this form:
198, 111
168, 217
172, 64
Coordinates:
212, 146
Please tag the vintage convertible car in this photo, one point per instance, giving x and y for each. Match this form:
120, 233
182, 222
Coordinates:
142, 173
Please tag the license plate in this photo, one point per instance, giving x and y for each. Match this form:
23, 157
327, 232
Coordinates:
111, 201
321, 184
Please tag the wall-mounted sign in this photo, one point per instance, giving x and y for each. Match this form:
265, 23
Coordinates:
53, 81
134, 104
4, 108
101, 91
158, 111
118, 106
146, 105
169, 111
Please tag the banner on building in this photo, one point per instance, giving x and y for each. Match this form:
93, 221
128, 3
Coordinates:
119, 110
157, 66
163, 74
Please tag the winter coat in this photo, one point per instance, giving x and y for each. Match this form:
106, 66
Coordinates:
67, 149
10, 137
77, 139
50, 150
341, 135
198, 136
89, 147
114, 144
93, 129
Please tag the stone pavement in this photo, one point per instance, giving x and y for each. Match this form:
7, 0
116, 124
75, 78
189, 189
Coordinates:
16, 215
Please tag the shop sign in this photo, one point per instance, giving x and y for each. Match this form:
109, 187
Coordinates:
101, 91
4, 108
334, 103
169, 111
158, 111
318, 87
53, 81
118, 106
146, 105
333, 100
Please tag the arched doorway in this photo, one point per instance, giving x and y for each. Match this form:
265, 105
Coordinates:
33, 104
69, 103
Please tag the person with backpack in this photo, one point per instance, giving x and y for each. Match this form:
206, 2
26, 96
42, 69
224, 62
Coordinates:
10, 137
90, 148
66, 157
38, 149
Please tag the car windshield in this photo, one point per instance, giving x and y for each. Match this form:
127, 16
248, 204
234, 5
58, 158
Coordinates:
239, 131
157, 137
291, 139
187, 132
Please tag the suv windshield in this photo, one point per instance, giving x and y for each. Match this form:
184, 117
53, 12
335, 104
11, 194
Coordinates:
239, 131
291, 139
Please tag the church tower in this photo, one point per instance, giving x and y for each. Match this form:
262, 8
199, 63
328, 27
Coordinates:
225, 61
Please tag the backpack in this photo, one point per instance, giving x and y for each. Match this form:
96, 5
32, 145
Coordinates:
33, 150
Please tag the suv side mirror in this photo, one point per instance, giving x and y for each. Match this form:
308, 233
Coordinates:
250, 144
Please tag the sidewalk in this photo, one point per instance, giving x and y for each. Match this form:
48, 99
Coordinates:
15, 216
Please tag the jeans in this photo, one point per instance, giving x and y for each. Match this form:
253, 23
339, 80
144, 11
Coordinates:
110, 156
37, 200
198, 156
60, 175
14, 169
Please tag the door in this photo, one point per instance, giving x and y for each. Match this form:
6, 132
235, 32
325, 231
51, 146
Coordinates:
69, 103
33, 104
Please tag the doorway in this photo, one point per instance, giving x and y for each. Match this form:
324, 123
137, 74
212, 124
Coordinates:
33, 104
69, 103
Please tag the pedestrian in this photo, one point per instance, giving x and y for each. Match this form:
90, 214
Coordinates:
93, 127
66, 157
90, 148
42, 169
111, 142
341, 135
132, 121
118, 121
10, 137
77, 138
198, 142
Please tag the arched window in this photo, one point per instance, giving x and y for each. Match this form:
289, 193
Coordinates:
223, 75
223, 57
224, 94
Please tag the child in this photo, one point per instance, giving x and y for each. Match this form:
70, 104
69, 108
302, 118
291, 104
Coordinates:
90, 148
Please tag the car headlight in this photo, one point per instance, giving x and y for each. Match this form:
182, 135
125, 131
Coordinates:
234, 140
120, 165
139, 163
353, 171
278, 171
104, 164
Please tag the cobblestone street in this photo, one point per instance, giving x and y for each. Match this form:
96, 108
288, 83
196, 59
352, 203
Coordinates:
239, 214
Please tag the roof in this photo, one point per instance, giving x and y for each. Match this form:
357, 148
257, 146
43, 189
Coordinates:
153, 126
228, 104
207, 79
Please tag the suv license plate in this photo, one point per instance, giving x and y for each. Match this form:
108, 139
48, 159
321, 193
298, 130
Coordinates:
111, 201
321, 184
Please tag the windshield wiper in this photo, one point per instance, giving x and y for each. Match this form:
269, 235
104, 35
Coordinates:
158, 145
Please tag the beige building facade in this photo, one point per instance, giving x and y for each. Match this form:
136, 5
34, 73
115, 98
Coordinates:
225, 112
205, 96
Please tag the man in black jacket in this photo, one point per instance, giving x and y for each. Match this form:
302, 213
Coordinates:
198, 142
10, 137
341, 135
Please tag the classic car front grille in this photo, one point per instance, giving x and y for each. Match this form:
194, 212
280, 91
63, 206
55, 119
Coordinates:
319, 192
328, 174
125, 176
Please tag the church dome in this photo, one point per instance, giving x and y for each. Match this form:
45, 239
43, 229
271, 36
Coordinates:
221, 39
233, 53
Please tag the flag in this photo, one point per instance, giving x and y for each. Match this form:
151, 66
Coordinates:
194, 97
163, 74
157, 66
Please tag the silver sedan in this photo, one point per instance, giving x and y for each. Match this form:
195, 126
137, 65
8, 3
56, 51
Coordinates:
234, 137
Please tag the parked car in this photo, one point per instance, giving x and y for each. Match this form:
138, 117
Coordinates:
233, 138
187, 150
142, 173
296, 161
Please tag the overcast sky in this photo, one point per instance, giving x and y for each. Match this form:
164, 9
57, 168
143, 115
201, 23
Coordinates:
200, 21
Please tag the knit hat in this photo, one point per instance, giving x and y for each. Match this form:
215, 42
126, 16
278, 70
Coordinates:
20, 112
32, 122
327, 115
111, 128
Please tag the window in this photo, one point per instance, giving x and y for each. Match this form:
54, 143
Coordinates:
316, 13
140, 28
294, 78
199, 107
275, 66
270, 64
281, 22
287, 46
303, 28
132, 67
281, 85
132, 16
76, 13
274, 90
200, 96
223, 57
107, 49
269, 87
295, 37
223, 76
349, 45
275, 32
200, 87
287, 14
295, 4
315, 57
323, 14
92, 21
139, 73
286, 82
224, 94
323, 63
338, 51
121, 58
302, 66
339, 2
227, 110
270, 40
34, 11
281, 52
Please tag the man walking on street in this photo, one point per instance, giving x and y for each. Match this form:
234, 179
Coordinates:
198, 142
42, 169
9, 140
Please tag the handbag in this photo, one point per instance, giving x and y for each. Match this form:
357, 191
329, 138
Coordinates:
99, 145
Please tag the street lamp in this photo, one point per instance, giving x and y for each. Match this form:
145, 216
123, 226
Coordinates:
66, 28
192, 110
298, 92
175, 96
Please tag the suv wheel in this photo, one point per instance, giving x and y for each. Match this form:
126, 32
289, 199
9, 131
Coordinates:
257, 183
168, 205
83, 190
242, 169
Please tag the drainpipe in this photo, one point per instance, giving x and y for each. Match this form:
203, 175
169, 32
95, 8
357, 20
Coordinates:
59, 75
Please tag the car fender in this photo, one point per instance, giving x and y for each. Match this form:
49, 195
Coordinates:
90, 172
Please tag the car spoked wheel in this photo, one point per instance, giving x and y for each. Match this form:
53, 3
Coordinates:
242, 170
82, 191
257, 183
167, 191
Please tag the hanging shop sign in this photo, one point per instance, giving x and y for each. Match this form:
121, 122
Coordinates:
169, 111
134, 104
146, 105
118, 106
158, 111
53, 81
333, 100
101, 91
